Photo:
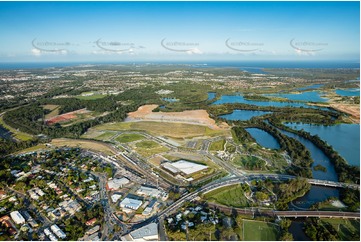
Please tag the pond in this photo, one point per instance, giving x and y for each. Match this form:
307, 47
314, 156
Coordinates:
263, 138
171, 100
243, 115
5, 134
344, 138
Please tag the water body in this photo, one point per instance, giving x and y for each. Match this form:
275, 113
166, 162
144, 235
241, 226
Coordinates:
171, 100
240, 99
197, 64
263, 138
314, 86
243, 114
296, 229
314, 195
254, 70
318, 157
344, 138
348, 92
211, 95
312, 96
5, 134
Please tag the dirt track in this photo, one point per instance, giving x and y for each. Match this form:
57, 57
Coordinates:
193, 116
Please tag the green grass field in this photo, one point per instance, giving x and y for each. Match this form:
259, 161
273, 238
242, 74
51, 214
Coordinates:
174, 130
125, 138
105, 136
259, 231
148, 148
91, 97
347, 228
217, 145
230, 196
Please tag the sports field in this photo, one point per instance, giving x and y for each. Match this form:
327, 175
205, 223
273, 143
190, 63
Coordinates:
259, 231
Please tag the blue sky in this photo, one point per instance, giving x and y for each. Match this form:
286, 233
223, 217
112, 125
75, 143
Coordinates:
131, 31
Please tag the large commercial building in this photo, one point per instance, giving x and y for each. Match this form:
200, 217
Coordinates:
17, 217
183, 167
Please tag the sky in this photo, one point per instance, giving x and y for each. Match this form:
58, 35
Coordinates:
184, 31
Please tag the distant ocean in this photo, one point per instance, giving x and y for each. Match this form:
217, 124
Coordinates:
238, 64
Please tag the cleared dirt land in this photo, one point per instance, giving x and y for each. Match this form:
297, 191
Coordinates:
85, 144
193, 116
66, 116
352, 109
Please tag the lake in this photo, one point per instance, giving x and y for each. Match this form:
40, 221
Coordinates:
240, 99
314, 86
318, 157
263, 138
211, 95
348, 92
243, 115
312, 96
344, 138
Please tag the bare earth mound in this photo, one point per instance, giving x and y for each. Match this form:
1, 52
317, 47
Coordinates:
352, 109
145, 113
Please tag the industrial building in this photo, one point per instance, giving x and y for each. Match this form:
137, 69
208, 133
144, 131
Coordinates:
131, 203
148, 191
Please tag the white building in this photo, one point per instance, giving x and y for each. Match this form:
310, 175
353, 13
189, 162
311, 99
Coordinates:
58, 232
131, 203
115, 197
148, 191
17, 217
117, 183
148, 233
184, 167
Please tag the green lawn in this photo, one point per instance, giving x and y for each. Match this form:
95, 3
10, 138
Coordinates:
348, 229
105, 136
259, 231
217, 145
125, 138
232, 196
91, 97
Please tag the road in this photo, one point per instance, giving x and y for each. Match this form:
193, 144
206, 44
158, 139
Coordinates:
287, 214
